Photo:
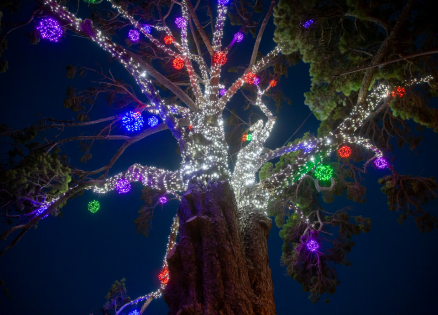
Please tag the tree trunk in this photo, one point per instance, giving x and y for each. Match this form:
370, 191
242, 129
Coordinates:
217, 265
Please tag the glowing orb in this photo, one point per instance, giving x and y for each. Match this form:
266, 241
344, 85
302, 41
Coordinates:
324, 172
180, 22
168, 40
272, 83
238, 37
152, 121
220, 58
147, 28
381, 163
312, 245
257, 81
93, 206
223, 2
222, 92
134, 35
399, 91
50, 29
308, 23
162, 199
164, 276
133, 121
249, 78
344, 151
178, 63
123, 186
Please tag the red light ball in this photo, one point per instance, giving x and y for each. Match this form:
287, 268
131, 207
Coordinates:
164, 276
249, 78
220, 58
272, 83
344, 151
178, 63
399, 91
169, 39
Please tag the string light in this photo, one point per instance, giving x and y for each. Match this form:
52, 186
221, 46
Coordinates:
169, 39
152, 121
133, 121
344, 151
134, 35
93, 206
123, 186
178, 63
50, 29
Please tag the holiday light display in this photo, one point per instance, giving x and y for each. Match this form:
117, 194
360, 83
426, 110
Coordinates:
133, 121
134, 312
152, 121
249, 77
41, 210
312, 245
272, 83
50, 29
134, 35
162, 199
344, 151
381, 163
238, 37
164, 275
147, 28
399, 91
307, 23
93, 206
94, 1
206, 164
220, 58
223, 2
324, 172
168, 39
256, 81
178, 63
123, 186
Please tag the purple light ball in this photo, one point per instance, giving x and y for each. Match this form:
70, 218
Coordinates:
222, 92
381, 163
308, 23
223, 2
41, 210
257, 81
123, 186
134, 35
147, 28
312, 245
50, 29
162, 199
238, 37
152, 121
180, 22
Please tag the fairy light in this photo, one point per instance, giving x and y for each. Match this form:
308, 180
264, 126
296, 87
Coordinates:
134, 312
50, 29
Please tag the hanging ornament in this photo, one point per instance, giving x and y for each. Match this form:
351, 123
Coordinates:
344, 151
223, 2
399, 91
238, 37
312, 245
180, 22
134, 35
178, 63
147, 28
220, 58
257, 81
164, 275
272, 83
123, 186
222, 92
249, 78
308, 23
380, 163
93, 206
162, 199
324, 172
133, 121
152, 121
168, 40
50, 29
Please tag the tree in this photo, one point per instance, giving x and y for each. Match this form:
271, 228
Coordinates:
221, 220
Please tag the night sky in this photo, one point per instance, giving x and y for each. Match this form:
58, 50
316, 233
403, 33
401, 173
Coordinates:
67, 265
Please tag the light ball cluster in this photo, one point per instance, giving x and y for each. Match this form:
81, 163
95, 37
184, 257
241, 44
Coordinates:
324, 172
147, 28
249, 78
168, 40
123, 186
180, 22
133, 121
164, 275
380, 163
152, 121
272, 83
223, 2
308, 23
344, 151
134, 35
50, 29
222, 92
178, 63
220, 58
312, 245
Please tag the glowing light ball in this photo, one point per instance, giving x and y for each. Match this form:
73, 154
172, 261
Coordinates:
134, 35
272, 83
180, 22
244, 137
190, 127
238, 37
344, 151
123, 186
308, 148
50, 29
223, 2
168, 40
147, 28
93, 1
133, 121
152, 121
178, 63
249, 137
312, 245
324, 172
41, 210
249, 78
399, 91
257, 81
134, 312
220, 58
222, 92
380, 163
93, 206
307, 23
162, 199
164, 276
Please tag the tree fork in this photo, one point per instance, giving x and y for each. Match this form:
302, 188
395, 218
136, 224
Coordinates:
209, 270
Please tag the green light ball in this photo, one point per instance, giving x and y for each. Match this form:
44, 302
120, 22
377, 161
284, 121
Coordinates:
324, 172
93, 1
93, 206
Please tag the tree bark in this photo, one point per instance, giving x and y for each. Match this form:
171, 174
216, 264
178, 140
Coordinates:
217, 265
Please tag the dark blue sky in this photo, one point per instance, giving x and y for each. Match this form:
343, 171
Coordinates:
67, 265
